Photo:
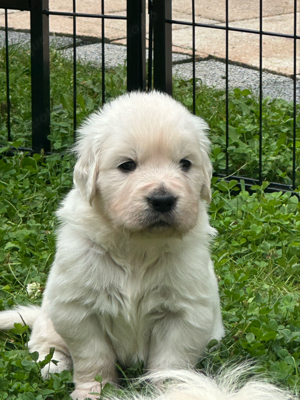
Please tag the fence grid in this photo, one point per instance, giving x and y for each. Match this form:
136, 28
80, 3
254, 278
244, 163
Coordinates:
166, 77
157, 76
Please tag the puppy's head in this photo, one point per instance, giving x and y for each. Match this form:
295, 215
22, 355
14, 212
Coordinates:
143, 164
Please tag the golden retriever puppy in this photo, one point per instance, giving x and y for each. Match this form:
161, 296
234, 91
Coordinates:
132, 277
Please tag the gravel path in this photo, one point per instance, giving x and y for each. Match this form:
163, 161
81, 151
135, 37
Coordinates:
57, 42
213, 73
210, 72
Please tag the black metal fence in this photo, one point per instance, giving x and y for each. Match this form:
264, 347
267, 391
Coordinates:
164, 79
158, 75
40, 73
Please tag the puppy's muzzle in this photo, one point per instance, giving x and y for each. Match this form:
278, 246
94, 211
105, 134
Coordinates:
162, 203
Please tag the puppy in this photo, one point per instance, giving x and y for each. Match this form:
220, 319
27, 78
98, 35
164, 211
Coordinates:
132, 277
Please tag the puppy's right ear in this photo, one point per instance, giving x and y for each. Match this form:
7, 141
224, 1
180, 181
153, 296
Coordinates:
85, 176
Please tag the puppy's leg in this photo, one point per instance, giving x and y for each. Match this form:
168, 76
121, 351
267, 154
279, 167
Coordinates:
90, 348
175, 344
43, 338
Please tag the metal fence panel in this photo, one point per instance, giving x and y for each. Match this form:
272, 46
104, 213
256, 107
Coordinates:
40, 63
163, 72
159, 68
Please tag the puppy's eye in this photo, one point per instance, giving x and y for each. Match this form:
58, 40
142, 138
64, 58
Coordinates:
185, 164
127, 166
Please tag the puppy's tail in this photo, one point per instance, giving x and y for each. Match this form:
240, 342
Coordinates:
25, 315
229, 384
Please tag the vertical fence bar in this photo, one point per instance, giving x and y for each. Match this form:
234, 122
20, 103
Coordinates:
150, 47
162, 10
227, 86
74, 73
193, 57
40, 76
295, 97
103, 51
260, 88
136, 45
7, 77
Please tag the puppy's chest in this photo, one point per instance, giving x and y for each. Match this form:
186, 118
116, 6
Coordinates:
138, 290
137, 299
131, 326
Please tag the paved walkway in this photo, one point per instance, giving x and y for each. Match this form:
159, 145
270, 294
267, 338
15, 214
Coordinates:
278, 16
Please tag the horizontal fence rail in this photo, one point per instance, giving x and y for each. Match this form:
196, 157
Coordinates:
157, 74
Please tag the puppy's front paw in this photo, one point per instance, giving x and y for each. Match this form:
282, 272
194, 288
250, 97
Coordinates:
63, 363
81, 394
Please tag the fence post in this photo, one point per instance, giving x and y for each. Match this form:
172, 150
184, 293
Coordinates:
40, 76
136, 45
162, 30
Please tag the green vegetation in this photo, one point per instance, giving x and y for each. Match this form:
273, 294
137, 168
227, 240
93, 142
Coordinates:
256, 253
89, 95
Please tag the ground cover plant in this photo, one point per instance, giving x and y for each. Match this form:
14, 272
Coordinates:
256, 252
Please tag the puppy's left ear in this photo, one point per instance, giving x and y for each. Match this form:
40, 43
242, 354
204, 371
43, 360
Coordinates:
207, 174
204, 142
85, 176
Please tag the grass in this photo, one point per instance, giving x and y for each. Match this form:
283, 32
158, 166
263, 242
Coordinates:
256, 253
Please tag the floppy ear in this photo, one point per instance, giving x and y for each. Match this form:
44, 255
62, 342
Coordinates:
87, 149
85, 176
205, 193
204, 142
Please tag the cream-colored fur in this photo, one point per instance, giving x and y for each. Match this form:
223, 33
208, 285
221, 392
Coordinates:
231, 383
131, 280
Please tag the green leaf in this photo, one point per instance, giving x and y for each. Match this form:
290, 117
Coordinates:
98, 378
19, 329
34, 356
268, 336
250, 337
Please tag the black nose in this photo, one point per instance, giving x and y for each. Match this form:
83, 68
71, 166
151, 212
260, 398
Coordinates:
162, 203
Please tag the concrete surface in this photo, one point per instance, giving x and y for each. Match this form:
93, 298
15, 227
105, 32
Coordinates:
278, 53
210, 72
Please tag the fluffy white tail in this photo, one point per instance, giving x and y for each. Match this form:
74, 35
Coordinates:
230, 384
20, 315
